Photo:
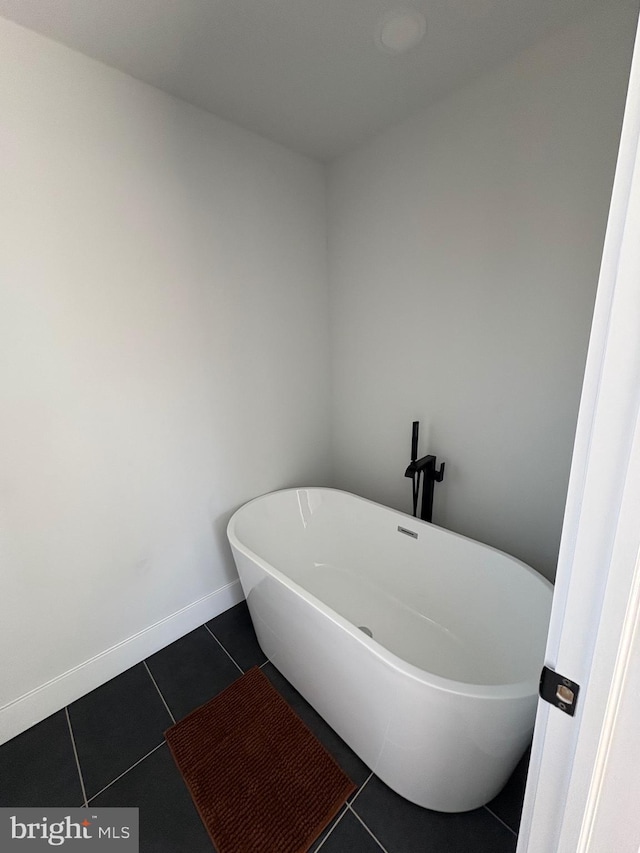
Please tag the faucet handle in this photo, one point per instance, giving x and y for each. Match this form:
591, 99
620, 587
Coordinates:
439, 474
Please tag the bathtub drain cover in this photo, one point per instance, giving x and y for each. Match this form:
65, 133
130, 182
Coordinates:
366, 630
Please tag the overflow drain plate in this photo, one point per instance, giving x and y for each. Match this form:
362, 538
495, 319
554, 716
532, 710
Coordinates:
366, 630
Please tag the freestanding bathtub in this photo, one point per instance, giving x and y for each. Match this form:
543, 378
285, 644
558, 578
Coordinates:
420, 647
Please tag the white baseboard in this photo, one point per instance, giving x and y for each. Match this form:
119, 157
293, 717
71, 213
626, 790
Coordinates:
37, 704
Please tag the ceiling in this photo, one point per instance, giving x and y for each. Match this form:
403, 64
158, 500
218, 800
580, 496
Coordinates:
306, 73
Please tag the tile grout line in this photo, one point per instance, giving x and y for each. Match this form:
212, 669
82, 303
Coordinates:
345, 809
223, 648
164, 701
113, 781
361, 788
75, 752
357, 816
499, 819
355, 813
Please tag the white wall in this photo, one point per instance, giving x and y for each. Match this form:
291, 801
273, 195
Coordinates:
164, 357
464, 254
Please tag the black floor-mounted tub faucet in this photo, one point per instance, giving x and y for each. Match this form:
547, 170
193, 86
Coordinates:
422, 471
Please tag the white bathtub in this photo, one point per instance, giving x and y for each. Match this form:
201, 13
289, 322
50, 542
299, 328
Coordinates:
440, 701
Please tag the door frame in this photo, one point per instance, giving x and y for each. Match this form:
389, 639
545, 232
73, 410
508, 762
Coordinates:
594, 632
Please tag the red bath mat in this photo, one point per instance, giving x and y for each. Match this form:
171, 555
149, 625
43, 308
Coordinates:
261, 781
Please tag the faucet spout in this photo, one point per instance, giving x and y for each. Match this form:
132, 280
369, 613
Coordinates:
427, 464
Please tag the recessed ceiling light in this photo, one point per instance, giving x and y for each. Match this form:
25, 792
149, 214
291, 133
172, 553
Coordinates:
400, 29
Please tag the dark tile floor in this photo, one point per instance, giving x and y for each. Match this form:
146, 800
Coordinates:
108, 749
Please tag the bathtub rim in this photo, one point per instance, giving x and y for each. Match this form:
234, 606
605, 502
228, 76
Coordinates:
498, 692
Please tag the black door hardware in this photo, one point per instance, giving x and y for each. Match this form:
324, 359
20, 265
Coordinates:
559, 691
